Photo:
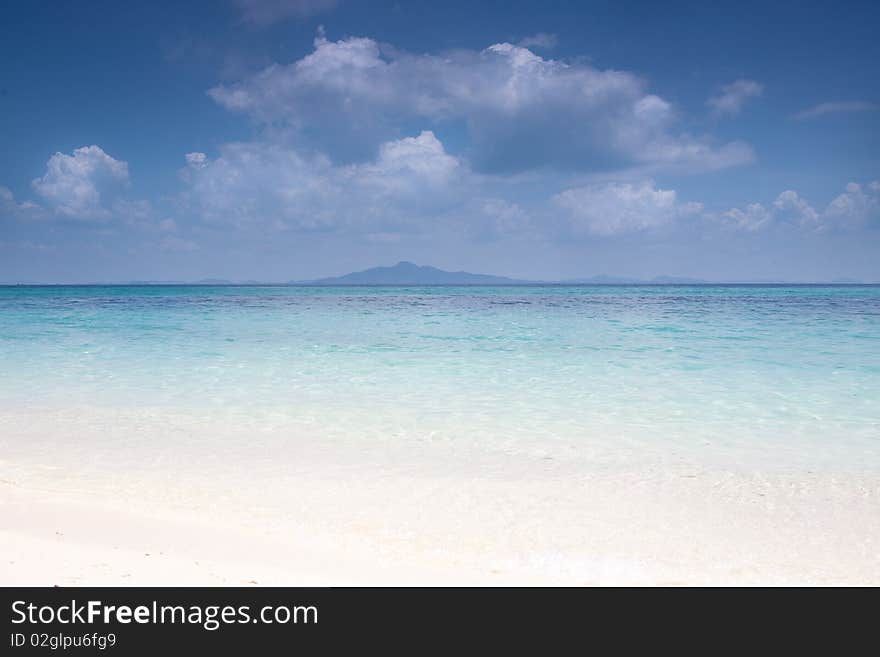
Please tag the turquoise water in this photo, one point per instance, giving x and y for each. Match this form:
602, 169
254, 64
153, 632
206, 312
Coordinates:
788, 373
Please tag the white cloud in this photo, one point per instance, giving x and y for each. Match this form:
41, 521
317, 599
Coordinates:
411, 180
422, 158
753, 218
615, 208
265, 12
521, 111
791, 207
857, 207
833, 108
733, 97
73, 184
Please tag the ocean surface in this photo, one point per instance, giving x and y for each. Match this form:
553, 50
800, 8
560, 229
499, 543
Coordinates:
744, 376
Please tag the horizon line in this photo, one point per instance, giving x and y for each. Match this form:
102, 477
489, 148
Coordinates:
561, 283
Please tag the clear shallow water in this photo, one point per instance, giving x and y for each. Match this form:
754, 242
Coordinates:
784, 373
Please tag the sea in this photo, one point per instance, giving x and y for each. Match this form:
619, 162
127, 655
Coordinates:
743, 376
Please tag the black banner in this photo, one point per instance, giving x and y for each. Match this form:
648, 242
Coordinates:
134, 621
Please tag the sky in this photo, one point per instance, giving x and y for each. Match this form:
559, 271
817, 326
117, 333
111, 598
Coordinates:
277, 140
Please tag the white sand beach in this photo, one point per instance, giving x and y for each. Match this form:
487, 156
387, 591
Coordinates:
331, 513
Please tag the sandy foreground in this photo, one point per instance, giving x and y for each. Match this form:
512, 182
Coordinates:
425, 514
820, 533
61, 541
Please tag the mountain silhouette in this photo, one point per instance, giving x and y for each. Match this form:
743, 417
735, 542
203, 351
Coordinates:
408, 273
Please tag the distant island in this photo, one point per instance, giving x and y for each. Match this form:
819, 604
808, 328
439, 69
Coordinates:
408, 273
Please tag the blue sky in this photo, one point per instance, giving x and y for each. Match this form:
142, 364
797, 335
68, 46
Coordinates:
289, 139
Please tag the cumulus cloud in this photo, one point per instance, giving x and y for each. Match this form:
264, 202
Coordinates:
615, 208
734, 96
253, 182
834, 108
789, 206
754, 217
521, 111
857, 207
73, 185
421, 158
266, 12
265, 184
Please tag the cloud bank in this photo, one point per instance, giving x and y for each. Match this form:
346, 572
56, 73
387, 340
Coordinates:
520, 111
857, 207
